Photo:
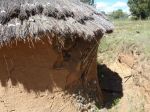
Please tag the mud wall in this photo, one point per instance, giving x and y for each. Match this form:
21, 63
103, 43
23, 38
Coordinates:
31, 73
41, 67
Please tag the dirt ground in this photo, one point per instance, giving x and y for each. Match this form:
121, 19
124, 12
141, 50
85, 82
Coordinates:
133, 91
16, 99
29, 84
124, 57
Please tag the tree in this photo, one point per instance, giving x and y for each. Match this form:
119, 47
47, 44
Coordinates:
139, 8
91, 2
118, 14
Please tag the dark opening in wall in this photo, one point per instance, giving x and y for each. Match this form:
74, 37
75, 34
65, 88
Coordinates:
111, 85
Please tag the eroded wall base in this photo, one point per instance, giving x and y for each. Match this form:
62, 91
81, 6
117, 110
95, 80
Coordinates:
42, 69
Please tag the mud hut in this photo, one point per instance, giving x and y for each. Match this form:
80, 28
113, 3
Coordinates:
49, 44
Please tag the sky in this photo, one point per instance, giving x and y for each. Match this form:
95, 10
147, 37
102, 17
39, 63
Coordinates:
111, 5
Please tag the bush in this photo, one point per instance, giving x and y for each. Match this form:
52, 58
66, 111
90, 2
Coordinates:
118, 14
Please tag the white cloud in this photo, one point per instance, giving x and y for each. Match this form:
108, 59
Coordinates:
101, 5
104, 6
119, 4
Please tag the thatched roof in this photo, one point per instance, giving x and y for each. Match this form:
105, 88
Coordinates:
20, 19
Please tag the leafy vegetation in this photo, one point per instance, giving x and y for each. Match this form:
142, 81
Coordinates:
118, 14
115, 102
139, 8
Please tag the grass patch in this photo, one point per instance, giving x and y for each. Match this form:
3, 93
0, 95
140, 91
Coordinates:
115, 102
126, 34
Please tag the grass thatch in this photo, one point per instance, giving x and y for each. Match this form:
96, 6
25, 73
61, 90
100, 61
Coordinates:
62, 18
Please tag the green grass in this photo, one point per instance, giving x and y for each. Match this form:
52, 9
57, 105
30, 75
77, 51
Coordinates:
115, 102
127, 37
127, 34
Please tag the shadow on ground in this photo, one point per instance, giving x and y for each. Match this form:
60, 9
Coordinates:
111, 85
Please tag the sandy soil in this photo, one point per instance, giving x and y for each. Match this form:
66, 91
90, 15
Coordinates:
17, 99
29, 84
134, 72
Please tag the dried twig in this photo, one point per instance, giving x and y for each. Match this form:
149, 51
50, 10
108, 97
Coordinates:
128, 77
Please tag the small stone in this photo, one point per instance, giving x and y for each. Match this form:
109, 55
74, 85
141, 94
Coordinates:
78, 101
92, 110
84, 110
89, 107
80, 97
41, 95
95, 82
74, 95
52, 97
104, 110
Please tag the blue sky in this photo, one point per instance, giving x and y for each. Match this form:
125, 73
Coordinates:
111, 5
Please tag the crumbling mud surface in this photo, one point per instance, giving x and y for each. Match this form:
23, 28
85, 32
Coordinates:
40, 79
133, 67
